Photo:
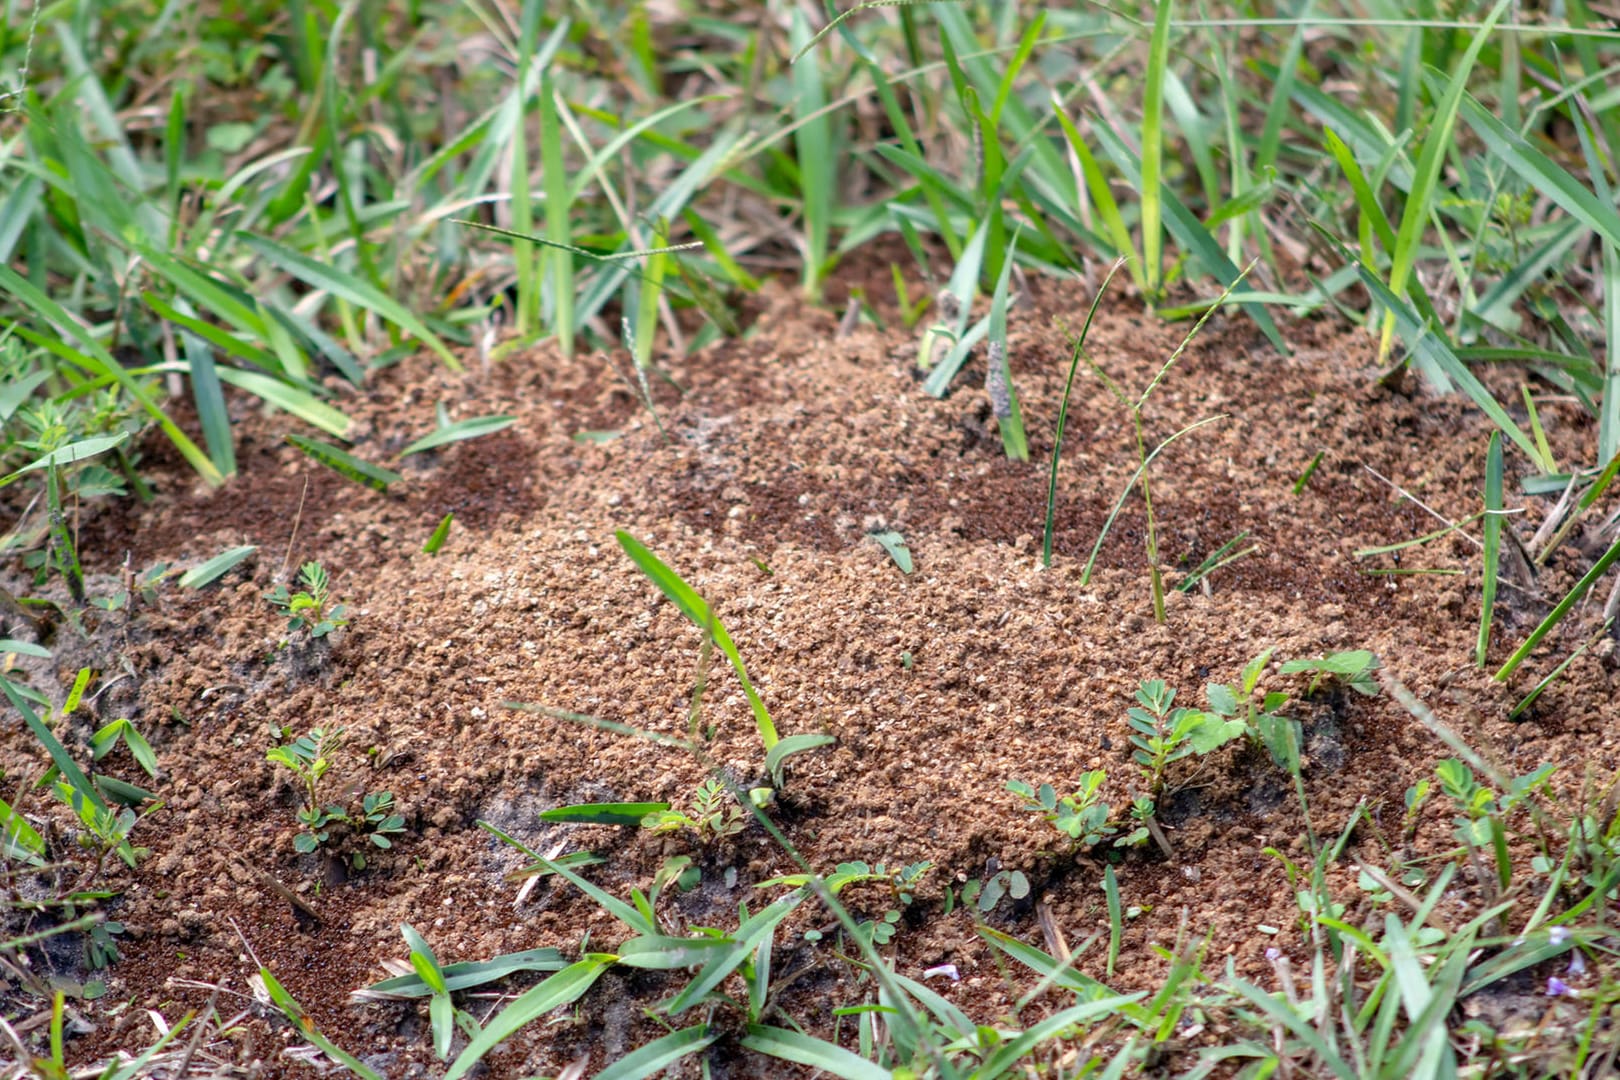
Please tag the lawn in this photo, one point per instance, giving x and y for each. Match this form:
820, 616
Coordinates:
931, 539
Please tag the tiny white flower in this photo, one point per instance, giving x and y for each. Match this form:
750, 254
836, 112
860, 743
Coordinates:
945, 970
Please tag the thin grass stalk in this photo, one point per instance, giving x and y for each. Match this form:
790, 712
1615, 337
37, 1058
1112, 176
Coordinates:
1153, 150
1493, 544
1063, 414
558, 216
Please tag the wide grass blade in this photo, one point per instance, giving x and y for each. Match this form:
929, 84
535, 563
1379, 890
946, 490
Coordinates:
217, 567
563, 988
1437, 144
1151, 191
1561, 609
801, 1049
1102, 198
695, 608
998, 381
463, 975
351, 289
558, 216
471, 428
658, 1055
1493, 543
346, 464
623, 814
813, 142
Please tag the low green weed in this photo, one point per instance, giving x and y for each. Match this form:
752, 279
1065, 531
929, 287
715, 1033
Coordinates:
311, 608
1082, 816
1163, 734
988, 893
373, 821
899, 882
711, 816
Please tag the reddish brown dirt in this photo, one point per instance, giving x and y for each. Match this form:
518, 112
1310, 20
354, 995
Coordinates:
980, 667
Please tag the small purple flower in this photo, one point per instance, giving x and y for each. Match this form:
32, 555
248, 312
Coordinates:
1577, 963
1274, 954
1557, 987
1557, 935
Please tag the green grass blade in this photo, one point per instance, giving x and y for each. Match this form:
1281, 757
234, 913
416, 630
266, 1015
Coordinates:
346, 464
622, 814
209, 398
658, 1055
696, 609
1116, 917
813, 142
82, 450
211, 571
441, 533
295, 400
58, 753
1151, 191
1561, 609
1374, 223
1609, 414
793, 744
558, 216
463, 975
1102, 198
785, 1044
471, 428
894, 545
998, 381
1493, 543
351, 289
1426, 175
563, 988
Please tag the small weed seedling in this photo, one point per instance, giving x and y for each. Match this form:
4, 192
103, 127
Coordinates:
1260, 714
308, 758
310, 608
1355, 668
1164, 735
994, 889
1481, 820
901, 883
1081, 816
713, 815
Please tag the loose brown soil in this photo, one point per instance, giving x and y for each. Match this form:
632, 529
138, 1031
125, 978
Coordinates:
783, 452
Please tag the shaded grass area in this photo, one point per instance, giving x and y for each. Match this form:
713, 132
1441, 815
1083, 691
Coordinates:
260, 204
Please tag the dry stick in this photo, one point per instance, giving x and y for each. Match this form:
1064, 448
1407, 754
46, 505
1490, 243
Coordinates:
286, 560
1555, 517
202, 1030
1431, 511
